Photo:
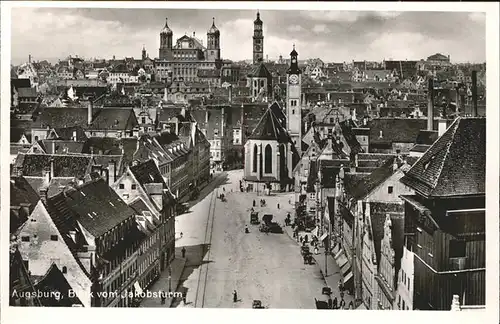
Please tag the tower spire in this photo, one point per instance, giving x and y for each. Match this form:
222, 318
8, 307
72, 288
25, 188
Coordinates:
166, 22
213, 21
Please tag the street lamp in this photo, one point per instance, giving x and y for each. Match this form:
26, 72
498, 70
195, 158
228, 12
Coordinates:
169, 278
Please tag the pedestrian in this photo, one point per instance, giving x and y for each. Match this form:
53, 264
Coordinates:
330, 302
335, 303
278, 205
235, 296
224, 189
182, 234
184, 299
342, 303
351, 305
183, 251
306, 238
301, 239
316, 251
163, 297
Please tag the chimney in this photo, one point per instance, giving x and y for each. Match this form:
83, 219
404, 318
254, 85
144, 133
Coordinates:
111, 172
441, 126
74, 135
47, 177
51, 168
29, 58
43, 194
73, 235
395, 165
455, 304
430, 105
194, 34
474, 94
53, 144
89, 112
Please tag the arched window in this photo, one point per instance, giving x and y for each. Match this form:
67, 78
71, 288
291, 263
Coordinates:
268, 164
254, 156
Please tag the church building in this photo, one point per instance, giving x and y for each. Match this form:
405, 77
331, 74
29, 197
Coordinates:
273, 149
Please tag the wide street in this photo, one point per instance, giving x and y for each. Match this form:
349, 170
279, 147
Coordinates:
221, 258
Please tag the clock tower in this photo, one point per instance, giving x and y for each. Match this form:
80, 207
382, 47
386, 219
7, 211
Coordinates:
258, 40
293, 104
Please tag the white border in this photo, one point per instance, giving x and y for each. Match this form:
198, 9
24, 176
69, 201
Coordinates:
80, 315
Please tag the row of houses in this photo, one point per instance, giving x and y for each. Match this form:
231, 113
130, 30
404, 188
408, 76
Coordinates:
400, 205
68, 242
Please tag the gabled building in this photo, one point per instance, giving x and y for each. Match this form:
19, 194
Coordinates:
445, 219
43, 246
144, 189
260, 83
93, 219
266, 153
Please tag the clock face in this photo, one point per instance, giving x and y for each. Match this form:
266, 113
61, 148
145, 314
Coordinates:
257, 48
294, 79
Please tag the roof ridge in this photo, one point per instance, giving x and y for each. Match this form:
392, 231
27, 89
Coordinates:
447, 151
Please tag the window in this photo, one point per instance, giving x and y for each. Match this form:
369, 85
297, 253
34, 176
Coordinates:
254, 164
143, 120
261, 83
134, 186
53, 237
268, 164
293, 111
25, 239
390, 189
408, 283
457, 249
121, 186
64, 269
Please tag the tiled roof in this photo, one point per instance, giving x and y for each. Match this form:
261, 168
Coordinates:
21, 192
396, 130
147, 173
260, 71
64, 165
351, 181
98, 206
150, 148
426, 137
55, 280
367, 184
455, 164
67, 133
18, 149
347, 131
17, 133
114, 119
62, 147
42, 251
420, 148
269, 128
27, 92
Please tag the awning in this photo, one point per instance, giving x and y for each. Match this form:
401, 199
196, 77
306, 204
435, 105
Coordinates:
323, 237
341, 258
348, 277
137, 287
345, 268
314, 232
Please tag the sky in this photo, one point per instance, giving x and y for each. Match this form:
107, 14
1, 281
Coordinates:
333, 36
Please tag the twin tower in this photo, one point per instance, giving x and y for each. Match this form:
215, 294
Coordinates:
213, 42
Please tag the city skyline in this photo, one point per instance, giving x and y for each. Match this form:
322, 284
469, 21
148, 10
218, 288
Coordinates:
333, 36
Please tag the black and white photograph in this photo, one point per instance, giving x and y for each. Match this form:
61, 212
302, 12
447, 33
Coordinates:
253, 158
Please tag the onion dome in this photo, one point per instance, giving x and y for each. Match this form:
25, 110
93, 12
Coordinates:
166, 29
258, 21
213, 30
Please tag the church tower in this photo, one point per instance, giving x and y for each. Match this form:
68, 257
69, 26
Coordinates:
144, 54
258, 40
213, 43
293, 104
166, 36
